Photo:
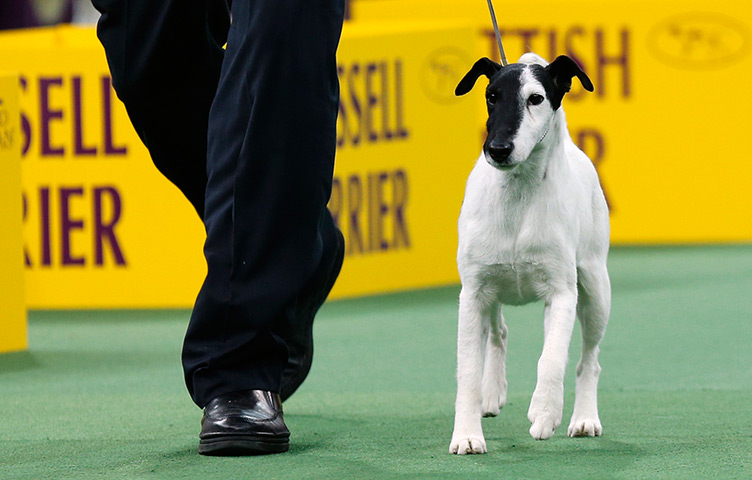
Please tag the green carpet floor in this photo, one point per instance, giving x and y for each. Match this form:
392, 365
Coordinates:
100, 394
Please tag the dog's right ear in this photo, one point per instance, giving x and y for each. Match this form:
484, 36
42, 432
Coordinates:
562, 70
484, 66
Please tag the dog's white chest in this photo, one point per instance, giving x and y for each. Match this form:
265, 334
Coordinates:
514, 266
520, 282
509, 249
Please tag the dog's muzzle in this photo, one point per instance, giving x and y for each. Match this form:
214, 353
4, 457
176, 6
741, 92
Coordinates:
499, 152
497, 155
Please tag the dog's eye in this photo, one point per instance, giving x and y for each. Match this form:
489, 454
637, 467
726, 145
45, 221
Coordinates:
535, 99
491, 97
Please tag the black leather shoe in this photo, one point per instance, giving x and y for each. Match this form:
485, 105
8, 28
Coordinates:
299, 337
244, 423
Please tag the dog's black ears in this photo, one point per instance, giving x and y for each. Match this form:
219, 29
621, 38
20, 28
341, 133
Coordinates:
484, 66
561, 71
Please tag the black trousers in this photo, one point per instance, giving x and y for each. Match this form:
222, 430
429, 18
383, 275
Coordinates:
248, 134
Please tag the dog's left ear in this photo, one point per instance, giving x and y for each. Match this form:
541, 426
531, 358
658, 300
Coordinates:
484, 66
561, 71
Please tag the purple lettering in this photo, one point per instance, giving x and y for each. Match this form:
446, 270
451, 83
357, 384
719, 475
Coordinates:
367, 88
68, 224
399, 194
373, 212
354, 70
109, 145
493, 47
25, 203
354, 197
569, 38
44, 210
25, 124
342, 132
401, 130
385, 101
47, 115
619, 60
371, 102
590, 136
78, 128
553, 44
381, 210
104, 230
527, 36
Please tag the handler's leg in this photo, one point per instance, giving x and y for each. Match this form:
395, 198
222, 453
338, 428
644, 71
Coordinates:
272, 135
165, 57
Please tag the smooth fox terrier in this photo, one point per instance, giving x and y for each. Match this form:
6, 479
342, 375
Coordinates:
533, 226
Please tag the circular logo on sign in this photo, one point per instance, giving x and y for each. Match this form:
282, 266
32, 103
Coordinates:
441, 72
699, 41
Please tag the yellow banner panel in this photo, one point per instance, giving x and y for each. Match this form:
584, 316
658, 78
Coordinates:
665, 124
406, 146
12, 304
103, 229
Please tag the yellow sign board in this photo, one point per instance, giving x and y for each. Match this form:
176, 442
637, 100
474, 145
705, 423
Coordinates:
406, 145
665, 124
12, 304
103, 228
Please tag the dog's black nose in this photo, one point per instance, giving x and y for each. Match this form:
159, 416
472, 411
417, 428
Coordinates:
500, 152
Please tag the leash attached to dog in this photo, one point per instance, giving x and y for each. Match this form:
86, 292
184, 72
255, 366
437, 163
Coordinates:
504, 61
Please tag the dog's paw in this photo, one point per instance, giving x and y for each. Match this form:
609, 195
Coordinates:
543, 421
466, 444
493, 403
494, 394
543, 427
545, 413
585, 427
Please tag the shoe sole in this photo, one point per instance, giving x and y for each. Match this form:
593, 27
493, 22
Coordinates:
242, 445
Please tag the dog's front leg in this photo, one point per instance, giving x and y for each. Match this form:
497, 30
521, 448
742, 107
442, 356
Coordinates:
494, 370
548, 399
471, 340
593, 307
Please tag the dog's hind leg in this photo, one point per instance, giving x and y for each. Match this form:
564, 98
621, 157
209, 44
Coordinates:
592, 309
548, 399
494, 385
474, 321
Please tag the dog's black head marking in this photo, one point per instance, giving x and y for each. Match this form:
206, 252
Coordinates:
484, 66
560, 72
505, 111
507, 108
556, 77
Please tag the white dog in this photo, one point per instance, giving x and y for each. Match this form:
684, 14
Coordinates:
533, 226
